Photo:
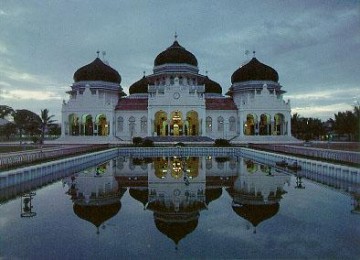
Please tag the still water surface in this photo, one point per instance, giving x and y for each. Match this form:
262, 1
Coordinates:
193, 207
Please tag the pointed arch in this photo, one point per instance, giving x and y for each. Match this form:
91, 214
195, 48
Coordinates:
250, 124
265, 124
279, 124
208, 124
192, 125
74, 124
161, 123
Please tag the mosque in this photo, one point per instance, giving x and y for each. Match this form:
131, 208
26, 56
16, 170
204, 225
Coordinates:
176, 102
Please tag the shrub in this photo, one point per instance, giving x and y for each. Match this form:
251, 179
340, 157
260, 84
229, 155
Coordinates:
137, 141
222, 143
179, 144
148, 143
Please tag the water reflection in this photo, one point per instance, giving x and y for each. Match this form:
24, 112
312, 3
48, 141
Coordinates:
95, 194
257, 192
177, 190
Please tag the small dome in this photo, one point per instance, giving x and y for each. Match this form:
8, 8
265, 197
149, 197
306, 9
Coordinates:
140, 86
175, 54
97, 71
254, 70
211, 86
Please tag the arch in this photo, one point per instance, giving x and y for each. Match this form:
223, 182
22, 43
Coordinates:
176, 167
132, 125
87, 124
265, 124
102, 125
120, 124
279, 124
208, 124
161, 167
192, 124
220, 122
176, 123
74, 124
161, 123
250, 124
143, 124
192, 167
232, 124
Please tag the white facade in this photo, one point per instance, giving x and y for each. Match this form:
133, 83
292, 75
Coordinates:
175, 101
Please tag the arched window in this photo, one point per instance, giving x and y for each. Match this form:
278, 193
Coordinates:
232, 124
143, 123
132, 125
220, 124
120, 124
208, 124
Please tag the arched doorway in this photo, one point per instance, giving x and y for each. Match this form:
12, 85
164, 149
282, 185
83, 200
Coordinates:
265, 124
88, 125
192, 123
279, 121
249, 125
176, 123
102, 125
74, 124
161, 125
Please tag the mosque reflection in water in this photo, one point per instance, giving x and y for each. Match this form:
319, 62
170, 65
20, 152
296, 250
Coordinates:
177, 189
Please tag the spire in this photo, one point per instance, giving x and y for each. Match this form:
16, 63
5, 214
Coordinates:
175, 36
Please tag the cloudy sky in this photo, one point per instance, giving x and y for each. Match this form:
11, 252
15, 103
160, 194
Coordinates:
314, 45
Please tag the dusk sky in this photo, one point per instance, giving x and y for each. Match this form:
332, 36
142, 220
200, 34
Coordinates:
313, 45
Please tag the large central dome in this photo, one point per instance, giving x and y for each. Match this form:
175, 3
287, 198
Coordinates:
97, 71
175, 54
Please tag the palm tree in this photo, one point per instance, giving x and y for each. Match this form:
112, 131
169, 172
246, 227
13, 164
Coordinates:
46, 120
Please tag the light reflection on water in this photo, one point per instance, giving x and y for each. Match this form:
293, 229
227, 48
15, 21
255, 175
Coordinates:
180, 207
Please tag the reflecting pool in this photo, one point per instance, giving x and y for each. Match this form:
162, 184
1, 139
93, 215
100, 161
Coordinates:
180, 207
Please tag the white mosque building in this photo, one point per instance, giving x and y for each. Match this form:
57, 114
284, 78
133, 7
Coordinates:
176, 102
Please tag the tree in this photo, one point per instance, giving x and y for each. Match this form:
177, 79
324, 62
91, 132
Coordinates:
5, 111
46, 121
346, 123
26, 122
306, 128
8, 130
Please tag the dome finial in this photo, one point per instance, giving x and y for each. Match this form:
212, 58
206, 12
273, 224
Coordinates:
175, 36
144, 72
254, 53
98, 52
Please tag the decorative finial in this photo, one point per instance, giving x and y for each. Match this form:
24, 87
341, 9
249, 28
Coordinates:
175, 36
98, 52
144, 73
254, 53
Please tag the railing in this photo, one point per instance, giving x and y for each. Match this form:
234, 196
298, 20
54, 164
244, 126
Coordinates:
310, 166
178, 151
335, 155
15, 159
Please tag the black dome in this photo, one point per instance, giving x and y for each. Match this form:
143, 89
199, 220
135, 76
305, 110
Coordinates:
140, 86
175, 54
211, 86
254, 70
97, 71
97, 214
